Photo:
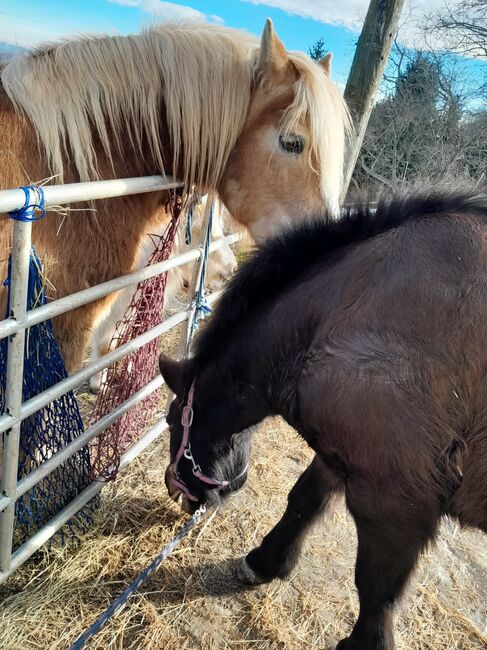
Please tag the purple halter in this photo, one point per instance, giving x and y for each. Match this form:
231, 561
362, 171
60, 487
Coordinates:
184, 451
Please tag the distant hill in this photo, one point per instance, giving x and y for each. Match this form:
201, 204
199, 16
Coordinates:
7, 51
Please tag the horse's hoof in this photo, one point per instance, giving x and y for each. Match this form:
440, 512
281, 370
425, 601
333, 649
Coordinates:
245, 574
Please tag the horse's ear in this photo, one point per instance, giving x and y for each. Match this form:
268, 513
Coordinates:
177, 374
273, 56
325, 63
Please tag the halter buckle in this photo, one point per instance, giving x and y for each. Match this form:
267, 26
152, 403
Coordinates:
187, 416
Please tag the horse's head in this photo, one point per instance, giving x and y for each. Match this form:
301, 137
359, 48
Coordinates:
209, 422
288, 159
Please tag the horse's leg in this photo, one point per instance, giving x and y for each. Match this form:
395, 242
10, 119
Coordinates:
100, 346
392, 531
103, 334
469, 501
279, 551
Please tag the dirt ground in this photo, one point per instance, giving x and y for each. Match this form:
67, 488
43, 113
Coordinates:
194, 602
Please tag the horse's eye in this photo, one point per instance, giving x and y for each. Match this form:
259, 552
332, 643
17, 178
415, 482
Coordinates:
291, 143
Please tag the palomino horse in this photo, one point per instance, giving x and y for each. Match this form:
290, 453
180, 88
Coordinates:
221, 265
222, 112
369, 337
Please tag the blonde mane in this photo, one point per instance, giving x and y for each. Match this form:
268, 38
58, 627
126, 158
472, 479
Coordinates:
114, 89
318, 101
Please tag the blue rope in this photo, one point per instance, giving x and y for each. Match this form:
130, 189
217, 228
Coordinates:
33, 208
117, 604
202, 308
188, 233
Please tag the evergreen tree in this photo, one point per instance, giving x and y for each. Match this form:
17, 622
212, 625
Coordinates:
318, 50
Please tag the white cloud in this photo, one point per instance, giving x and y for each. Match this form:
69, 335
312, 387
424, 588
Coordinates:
351, 14
165, 10
216, 19
17, 31
345, 13
170, 11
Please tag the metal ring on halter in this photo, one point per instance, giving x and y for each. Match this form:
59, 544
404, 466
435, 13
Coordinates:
187, 416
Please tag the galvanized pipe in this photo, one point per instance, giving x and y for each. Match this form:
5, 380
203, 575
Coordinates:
62, 305
15, 326
20, 262
42, 536
75, 192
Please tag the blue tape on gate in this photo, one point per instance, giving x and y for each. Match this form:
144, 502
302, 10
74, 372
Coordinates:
34, 205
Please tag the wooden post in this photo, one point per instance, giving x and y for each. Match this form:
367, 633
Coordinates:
373, 49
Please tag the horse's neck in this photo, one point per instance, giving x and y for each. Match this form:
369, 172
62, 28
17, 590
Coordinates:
273, 362
20, 164
99, 244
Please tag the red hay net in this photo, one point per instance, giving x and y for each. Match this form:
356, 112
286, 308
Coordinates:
135, 370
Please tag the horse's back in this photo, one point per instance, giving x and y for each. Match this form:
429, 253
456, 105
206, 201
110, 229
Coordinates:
396, 371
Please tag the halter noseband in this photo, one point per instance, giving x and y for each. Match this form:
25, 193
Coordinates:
185, 452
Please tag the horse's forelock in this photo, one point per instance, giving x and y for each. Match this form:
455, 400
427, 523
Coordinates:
318, 102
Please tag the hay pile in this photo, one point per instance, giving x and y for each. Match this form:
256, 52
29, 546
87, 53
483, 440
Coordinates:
194, 603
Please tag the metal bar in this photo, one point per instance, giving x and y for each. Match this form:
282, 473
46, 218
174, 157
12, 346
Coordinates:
76, 192
195, 280
73, 381
19, 279
48, 466
19, 320
62, 305
78, 378
42, 536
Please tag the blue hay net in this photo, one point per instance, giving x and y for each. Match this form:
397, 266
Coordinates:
48, 430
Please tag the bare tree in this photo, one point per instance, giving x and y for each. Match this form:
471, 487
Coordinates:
463, 27
425, 128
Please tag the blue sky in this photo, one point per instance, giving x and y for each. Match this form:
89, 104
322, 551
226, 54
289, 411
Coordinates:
298, 22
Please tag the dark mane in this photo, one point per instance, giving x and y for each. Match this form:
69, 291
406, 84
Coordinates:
280, 261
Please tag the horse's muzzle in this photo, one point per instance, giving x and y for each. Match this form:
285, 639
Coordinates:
176, 495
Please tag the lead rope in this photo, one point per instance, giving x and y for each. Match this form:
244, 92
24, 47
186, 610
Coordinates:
119, 603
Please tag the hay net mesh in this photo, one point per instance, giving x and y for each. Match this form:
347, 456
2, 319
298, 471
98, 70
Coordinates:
48, 430
135, 370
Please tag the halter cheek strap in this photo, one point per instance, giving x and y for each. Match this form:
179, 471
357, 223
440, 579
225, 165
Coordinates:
184, 452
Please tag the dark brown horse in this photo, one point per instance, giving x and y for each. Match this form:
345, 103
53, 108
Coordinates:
369, 336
